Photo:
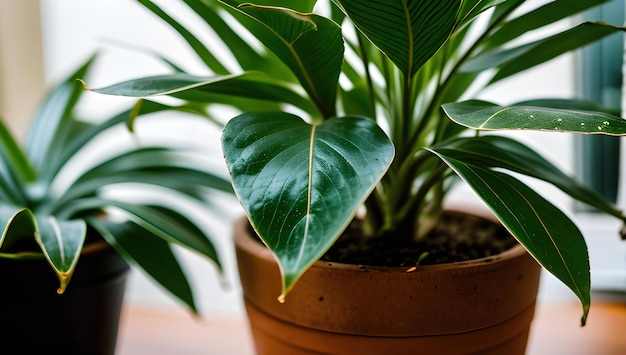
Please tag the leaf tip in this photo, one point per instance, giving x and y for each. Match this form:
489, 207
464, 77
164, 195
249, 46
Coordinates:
583, 319
84, 84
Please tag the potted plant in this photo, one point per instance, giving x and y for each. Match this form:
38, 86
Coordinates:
355, 122
67, 242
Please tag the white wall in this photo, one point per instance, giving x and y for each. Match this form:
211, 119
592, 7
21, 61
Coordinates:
73, 29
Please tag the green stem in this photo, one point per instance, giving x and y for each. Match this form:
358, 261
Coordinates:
368, 76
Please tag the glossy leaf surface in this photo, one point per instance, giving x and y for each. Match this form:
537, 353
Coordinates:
17, 222
61, 241
486, 116
301, 185
542, 228
206, 89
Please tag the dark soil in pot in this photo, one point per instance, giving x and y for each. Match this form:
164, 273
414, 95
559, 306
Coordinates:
455, 238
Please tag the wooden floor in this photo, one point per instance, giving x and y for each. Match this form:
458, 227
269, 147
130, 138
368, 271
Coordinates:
555, 331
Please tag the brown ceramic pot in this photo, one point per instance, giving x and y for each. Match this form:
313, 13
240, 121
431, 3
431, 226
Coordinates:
484, 306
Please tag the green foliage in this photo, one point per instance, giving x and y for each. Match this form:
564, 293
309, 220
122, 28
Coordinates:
393, 63
41, 220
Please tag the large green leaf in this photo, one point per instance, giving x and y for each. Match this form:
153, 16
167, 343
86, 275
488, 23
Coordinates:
130, 240
542, 228
310, 45
482, 115
300, 185
502, 152
61, 242
409, 32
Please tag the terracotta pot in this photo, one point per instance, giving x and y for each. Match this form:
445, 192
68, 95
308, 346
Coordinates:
83, 320
484, 306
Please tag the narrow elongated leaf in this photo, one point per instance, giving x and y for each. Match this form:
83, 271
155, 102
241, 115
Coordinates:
16, 222
205, 89
304, 6
409, 32
87, 135
472, 8
161, 264
152, 160
15, 169
300, 185
166, 226
54, 115
542, 16
542, 228
502, 152
511, 61
310, 45
486, 116
61, 242
204, 53
13, 156
247, 57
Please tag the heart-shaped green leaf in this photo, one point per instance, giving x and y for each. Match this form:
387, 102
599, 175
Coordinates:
542, 228
486, 116
409, 32
301, 185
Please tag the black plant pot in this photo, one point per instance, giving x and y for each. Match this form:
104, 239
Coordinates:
83, 320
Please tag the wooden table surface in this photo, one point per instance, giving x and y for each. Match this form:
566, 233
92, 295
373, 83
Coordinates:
555, 331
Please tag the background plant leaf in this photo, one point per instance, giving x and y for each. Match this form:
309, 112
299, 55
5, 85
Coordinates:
61, 242
161, 264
